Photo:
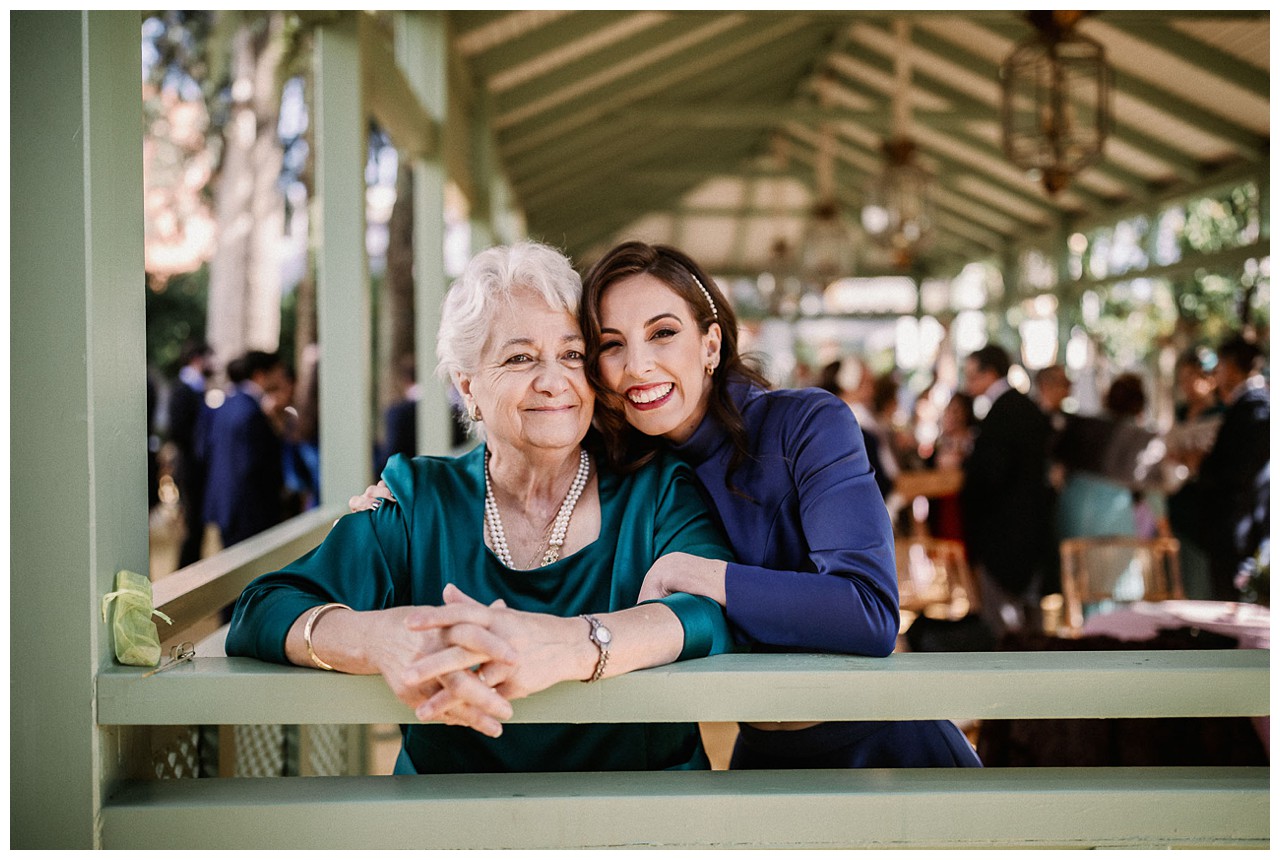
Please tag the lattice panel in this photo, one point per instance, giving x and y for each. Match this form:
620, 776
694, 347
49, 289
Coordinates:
175, 752
260, 750
325, 748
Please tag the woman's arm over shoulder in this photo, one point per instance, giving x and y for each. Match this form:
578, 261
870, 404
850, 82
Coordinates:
687, 536
363, 562
851, 605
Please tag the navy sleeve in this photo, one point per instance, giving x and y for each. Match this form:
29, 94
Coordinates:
850, 605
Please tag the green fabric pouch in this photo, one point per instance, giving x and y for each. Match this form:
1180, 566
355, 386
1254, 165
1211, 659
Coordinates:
134, 634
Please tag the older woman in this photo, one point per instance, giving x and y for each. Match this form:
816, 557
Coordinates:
527, 523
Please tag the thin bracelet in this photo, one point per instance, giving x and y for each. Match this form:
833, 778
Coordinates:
311, 623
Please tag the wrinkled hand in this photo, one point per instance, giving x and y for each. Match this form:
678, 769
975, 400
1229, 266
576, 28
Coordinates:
370, 499
682, 572
544, 648
410, 662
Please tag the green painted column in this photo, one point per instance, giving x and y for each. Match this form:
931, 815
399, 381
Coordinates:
422, 51
484, 165
1065, 289
342, 284
78, 485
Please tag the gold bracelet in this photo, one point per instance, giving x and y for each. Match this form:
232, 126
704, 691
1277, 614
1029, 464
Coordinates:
310, 625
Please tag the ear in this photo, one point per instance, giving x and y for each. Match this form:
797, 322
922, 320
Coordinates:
711, 340
463, 384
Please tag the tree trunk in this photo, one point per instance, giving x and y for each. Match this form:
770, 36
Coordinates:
244, 273
397, 304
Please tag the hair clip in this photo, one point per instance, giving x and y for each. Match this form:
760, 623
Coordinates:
714, 313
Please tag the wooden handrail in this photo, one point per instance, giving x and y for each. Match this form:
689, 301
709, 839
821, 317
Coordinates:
198, 591
874, 808
752, 687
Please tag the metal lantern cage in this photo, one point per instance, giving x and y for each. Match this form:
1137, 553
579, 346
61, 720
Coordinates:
897, 212
828, 249
1056, 104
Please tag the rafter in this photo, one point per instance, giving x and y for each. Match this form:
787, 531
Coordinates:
744, 39
1211, 59
604, 118
1185, 167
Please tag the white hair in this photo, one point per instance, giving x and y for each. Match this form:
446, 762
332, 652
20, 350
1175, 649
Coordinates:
493, 276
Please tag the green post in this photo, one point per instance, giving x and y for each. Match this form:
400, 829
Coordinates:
1065, 290
484, 166
78, 486
342, 285
422, 51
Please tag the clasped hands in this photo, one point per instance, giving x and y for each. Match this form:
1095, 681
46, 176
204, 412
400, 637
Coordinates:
464, 662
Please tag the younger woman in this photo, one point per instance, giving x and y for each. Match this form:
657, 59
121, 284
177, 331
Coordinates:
785, 472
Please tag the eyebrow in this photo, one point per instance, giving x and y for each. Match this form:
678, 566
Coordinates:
650, 321
528, 341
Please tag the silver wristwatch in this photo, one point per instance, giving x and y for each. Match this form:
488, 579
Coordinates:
600, 637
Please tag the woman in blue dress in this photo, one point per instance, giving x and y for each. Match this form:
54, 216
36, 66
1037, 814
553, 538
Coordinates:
787, 476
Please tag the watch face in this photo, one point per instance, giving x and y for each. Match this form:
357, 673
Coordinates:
603, 635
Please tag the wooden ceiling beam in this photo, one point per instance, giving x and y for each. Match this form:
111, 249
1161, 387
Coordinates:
550, 125
671, 44
1183, 166
1211, 59
573, 27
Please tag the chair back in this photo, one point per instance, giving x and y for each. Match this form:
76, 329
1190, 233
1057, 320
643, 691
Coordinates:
1117, 569
934, 578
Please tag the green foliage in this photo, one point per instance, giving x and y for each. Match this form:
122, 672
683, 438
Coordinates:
1204, 304
1223, 221
1136, 316
289, 327
176, 311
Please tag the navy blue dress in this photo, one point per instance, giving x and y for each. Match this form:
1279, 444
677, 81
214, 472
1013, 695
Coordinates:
815, 570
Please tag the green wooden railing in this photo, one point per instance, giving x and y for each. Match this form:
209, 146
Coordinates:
1041, 807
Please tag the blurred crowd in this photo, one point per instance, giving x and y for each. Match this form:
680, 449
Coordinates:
1030, 471
231, 460
234, 459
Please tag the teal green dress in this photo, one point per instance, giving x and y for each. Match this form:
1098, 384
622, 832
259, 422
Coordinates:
405, 553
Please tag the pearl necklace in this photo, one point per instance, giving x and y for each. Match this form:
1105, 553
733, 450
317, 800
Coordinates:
559, 526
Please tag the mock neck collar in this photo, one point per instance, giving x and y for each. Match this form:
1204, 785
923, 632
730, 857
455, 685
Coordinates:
710, 435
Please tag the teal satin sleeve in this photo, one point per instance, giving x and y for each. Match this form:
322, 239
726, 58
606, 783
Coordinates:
360, 563
706, 631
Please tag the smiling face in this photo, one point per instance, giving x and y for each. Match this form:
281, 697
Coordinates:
653, 355
531, 385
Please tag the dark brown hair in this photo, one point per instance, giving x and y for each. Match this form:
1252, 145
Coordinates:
1126, 397
626, 447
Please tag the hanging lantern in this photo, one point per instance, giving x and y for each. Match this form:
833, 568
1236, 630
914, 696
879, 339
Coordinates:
898, 212
1056, 100
827, 250
780, 286
827, 246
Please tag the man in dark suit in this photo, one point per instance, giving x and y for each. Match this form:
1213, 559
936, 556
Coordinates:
1234, 478
243, 452
402, 416
186, 403
1006, 500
